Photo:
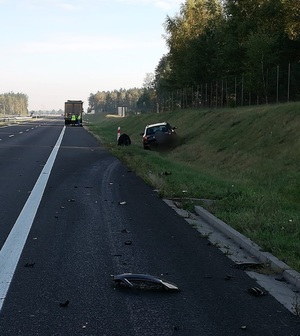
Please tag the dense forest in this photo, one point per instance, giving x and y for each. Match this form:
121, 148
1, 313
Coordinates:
221, 52
13, 104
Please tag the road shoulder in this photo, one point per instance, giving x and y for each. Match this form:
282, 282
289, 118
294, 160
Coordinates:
276, 277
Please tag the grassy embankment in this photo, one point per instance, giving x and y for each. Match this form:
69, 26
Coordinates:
245, 159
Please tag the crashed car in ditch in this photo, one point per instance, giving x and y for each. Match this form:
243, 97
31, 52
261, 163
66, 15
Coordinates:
159, 135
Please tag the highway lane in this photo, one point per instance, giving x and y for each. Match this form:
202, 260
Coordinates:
24, 150
78, 239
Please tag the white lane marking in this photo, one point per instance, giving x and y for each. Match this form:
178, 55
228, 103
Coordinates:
13, 246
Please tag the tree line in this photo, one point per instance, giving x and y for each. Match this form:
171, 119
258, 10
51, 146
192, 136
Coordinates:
214, 42
13, 104
135, 99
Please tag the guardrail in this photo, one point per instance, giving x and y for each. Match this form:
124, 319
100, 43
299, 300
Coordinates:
8, 120
13, 120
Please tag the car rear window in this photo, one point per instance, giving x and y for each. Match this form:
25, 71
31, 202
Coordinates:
152, 130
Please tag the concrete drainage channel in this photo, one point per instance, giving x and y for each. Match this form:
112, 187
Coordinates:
276, 277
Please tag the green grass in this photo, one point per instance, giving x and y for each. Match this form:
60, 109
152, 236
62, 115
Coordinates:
246, 160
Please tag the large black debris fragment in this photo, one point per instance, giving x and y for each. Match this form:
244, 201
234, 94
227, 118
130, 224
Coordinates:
143, 281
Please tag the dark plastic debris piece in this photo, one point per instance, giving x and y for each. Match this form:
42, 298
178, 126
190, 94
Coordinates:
165, 173
248, 265
64, 304
282, 279
29, 264
143, 281
256, 291
125, 231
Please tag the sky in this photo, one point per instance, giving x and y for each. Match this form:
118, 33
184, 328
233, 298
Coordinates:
56, 50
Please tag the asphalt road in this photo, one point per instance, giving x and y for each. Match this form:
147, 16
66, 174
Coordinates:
81, 235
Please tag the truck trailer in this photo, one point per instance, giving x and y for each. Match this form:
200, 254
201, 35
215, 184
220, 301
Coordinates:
73, 108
